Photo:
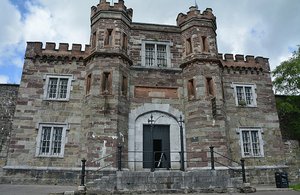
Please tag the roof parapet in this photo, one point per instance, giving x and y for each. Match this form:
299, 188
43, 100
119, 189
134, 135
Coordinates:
34, 49
195, 13
105, 6
238, 60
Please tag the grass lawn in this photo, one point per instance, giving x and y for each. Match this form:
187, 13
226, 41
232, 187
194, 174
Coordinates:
296, 187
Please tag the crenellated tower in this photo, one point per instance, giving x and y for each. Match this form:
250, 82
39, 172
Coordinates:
202, 79
107, 75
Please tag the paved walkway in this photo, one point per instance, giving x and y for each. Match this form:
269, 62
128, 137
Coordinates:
6, 189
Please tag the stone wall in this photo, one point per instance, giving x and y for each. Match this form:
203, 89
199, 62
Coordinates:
8, 95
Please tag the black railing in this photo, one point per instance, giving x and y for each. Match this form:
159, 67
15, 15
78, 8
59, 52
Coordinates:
213, 161
197, 159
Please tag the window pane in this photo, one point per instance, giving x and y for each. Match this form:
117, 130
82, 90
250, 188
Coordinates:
52, 87
150, 53
255, 143
56, 140
63, 88
246, 143
239, 94
45, 140
249, 97
161, 55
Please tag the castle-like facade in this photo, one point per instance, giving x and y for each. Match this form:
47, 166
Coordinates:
152, 89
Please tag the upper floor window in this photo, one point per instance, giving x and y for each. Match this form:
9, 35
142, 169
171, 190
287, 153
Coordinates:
106, 84
94, 37
210, 87
57, 87
204, 44
251, 142
88, 84
245, 94
188, 46
191, 89
156, 54
108, 37
124, 42
51, 140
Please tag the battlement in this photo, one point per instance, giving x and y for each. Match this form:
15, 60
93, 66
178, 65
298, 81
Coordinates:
195, 13
35, 49
235, 61
105, 6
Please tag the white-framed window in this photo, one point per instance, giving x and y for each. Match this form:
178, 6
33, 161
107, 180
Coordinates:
156, 54
251, 142
51, 140
57, 87
245, 94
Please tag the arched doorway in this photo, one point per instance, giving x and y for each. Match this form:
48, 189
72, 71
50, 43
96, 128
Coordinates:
163, 140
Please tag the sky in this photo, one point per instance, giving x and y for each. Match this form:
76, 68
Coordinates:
268, 28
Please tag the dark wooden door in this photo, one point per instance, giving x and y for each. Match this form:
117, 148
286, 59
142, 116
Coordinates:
156, 146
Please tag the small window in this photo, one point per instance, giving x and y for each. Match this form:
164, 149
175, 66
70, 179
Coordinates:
210, 87
188, 46
57, 87
108, 37
124, 86
125, 42
156, 54
245, 95
204, 44
88, 84
191, 89
51, 140
94, 40
106, 83
251, 142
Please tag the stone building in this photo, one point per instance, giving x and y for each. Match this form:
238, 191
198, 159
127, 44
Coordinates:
8, 96
129, 88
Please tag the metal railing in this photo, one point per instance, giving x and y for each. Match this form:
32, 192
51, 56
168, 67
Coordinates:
164, 160
213, 160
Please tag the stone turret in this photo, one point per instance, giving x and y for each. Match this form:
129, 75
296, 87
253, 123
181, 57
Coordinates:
198, 34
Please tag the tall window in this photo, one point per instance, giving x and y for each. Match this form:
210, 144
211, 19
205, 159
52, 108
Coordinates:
108, 37
210, 87
156, 54
94, 40
191, 89
106, 83
88, 83
51, 140
125, 42
57, 87
251, 142
124, 86
245, 95
188, 46
204, 44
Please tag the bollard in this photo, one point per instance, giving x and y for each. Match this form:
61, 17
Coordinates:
212, 158
119, 158
82, 172
243, 170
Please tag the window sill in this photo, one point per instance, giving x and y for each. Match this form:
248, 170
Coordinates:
40, 156
57, 100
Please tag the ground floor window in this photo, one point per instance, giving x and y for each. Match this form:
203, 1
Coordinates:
51, 140
251, 142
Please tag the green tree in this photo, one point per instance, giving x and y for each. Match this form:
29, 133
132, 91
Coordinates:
287, 76
287, 83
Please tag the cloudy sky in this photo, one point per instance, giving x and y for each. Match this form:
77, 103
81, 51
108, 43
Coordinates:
268, 28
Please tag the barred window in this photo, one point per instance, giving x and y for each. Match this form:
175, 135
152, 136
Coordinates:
51, 140
57, 87
156, 54
251, 140
245, 95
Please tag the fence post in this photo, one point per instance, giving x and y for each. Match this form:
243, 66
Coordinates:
119, 158
243, 170
82, 172
212, 158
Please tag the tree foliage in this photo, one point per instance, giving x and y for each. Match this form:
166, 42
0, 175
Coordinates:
287, 76
288, 108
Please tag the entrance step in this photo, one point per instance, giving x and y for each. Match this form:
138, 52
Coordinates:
166, 181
